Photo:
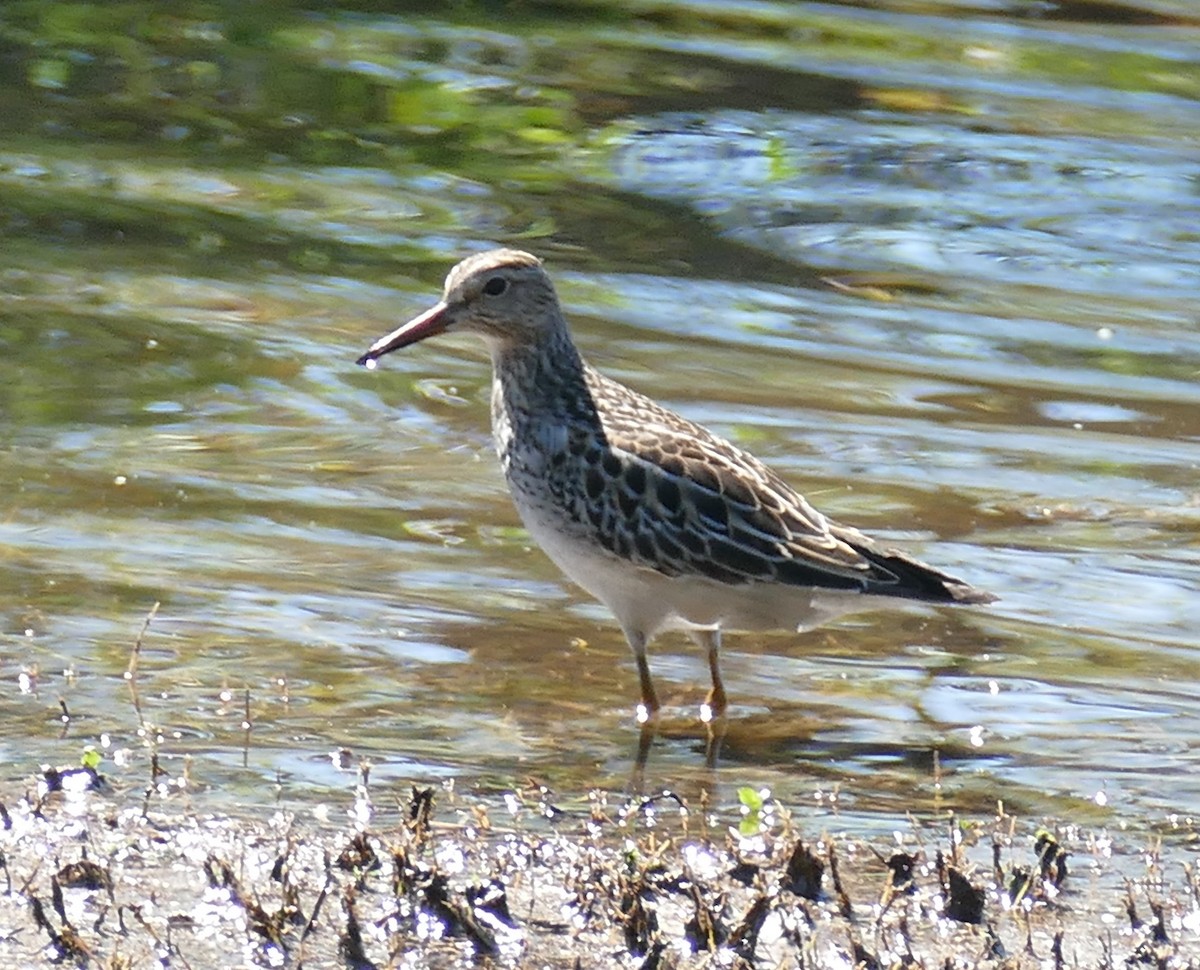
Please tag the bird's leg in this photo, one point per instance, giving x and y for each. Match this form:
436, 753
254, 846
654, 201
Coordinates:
714, 737
646, 734
649, 705
714, 705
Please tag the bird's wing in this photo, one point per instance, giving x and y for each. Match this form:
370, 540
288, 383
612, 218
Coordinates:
671, 495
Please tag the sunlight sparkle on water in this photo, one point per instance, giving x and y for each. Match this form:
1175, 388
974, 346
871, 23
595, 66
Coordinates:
702, 861
450, 858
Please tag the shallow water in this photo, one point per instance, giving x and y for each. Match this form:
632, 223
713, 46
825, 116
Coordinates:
935, 263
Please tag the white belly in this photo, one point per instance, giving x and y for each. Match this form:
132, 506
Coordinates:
649, 602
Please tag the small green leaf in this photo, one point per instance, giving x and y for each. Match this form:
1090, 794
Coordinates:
751, 798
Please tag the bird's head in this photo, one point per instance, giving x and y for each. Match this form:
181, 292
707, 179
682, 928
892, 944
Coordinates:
504, 295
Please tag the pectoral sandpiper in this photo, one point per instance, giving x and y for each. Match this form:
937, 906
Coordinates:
667, 524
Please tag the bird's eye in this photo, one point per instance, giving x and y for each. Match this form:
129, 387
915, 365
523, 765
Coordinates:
495, 286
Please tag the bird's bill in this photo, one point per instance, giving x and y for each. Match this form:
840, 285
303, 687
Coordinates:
433, 321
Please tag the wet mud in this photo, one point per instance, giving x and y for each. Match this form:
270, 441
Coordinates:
530, 878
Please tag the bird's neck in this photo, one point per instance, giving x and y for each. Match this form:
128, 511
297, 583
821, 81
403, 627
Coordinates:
540, 370
542, 376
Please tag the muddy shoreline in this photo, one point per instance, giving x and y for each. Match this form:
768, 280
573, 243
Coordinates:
531, 878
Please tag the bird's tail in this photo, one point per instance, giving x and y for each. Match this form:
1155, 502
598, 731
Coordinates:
898, 574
